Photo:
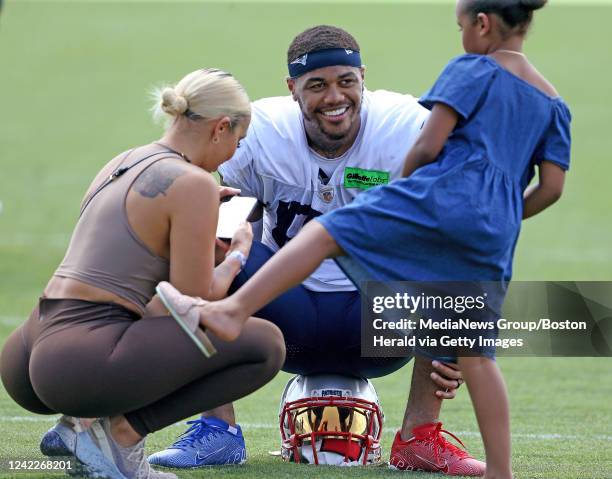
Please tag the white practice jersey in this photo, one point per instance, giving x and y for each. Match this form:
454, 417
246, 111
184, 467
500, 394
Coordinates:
275, 164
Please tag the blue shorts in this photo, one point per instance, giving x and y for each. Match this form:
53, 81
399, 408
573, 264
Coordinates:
494, 291
322, 330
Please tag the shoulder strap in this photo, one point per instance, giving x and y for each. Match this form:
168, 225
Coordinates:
120, 171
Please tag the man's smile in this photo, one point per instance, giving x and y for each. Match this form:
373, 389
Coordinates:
335, 115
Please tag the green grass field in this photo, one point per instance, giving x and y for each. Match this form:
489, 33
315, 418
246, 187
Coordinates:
73, 85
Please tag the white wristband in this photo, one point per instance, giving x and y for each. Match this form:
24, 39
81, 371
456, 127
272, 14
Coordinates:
239, 255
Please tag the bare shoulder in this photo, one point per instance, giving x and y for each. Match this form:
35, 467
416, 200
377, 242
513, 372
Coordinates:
526, 71
540, 82
172, 177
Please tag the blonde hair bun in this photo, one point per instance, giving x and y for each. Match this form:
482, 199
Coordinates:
206, 94
172, 103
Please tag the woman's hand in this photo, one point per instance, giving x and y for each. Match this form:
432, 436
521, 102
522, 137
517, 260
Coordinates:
242, 239
221, 251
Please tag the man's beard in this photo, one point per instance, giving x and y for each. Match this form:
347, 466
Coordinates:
325, 142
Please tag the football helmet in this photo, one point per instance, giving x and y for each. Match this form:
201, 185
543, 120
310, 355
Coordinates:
330, 419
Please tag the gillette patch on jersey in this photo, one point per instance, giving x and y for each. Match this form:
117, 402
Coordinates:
364, 179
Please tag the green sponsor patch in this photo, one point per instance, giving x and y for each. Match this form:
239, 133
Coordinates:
364, 179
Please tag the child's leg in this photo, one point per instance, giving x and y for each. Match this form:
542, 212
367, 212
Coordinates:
291, 265
490, 399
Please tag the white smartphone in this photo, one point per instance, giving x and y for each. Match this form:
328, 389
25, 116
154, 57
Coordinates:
234, 211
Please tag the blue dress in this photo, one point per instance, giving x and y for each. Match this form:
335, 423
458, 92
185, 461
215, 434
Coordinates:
458, 218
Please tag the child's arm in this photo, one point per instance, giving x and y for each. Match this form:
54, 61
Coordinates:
546, 192
430, 142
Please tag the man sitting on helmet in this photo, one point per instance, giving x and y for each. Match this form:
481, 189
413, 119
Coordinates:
304, 155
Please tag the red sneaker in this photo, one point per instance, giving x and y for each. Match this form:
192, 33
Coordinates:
429, 451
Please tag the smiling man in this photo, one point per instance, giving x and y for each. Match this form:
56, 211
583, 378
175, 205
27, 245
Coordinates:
304, 155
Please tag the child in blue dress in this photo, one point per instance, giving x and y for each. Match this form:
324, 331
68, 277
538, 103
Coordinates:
457, 213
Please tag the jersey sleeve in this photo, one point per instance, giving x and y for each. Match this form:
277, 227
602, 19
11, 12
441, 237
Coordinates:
420, 116
412, 122
240, 171
556, 145
461, 85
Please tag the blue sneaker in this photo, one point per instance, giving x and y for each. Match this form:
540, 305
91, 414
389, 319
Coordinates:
208, 442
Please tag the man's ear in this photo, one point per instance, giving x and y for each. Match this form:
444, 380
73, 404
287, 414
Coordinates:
291, 87
362, 70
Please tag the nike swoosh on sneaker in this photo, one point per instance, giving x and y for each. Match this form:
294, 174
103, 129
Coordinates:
199, 459
440, 468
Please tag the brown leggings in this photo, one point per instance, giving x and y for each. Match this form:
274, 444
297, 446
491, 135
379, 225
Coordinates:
87, 359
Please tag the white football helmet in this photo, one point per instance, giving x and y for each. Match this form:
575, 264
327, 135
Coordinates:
330, 419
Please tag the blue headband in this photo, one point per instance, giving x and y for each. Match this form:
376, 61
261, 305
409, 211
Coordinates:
324, 58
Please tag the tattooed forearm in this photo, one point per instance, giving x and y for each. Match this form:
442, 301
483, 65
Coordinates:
157, 178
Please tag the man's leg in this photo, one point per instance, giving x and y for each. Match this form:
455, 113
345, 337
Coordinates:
419, 445
423, 404
339, 321
294, 314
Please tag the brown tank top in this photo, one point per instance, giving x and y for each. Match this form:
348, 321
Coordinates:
104, 250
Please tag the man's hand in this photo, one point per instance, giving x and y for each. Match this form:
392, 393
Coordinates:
448, 377
226, 192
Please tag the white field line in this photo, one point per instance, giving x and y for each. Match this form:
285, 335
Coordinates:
12, 320
246, 426
570, 2
17, 239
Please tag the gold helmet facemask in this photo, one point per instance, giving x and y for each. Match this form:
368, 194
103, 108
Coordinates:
343, 425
